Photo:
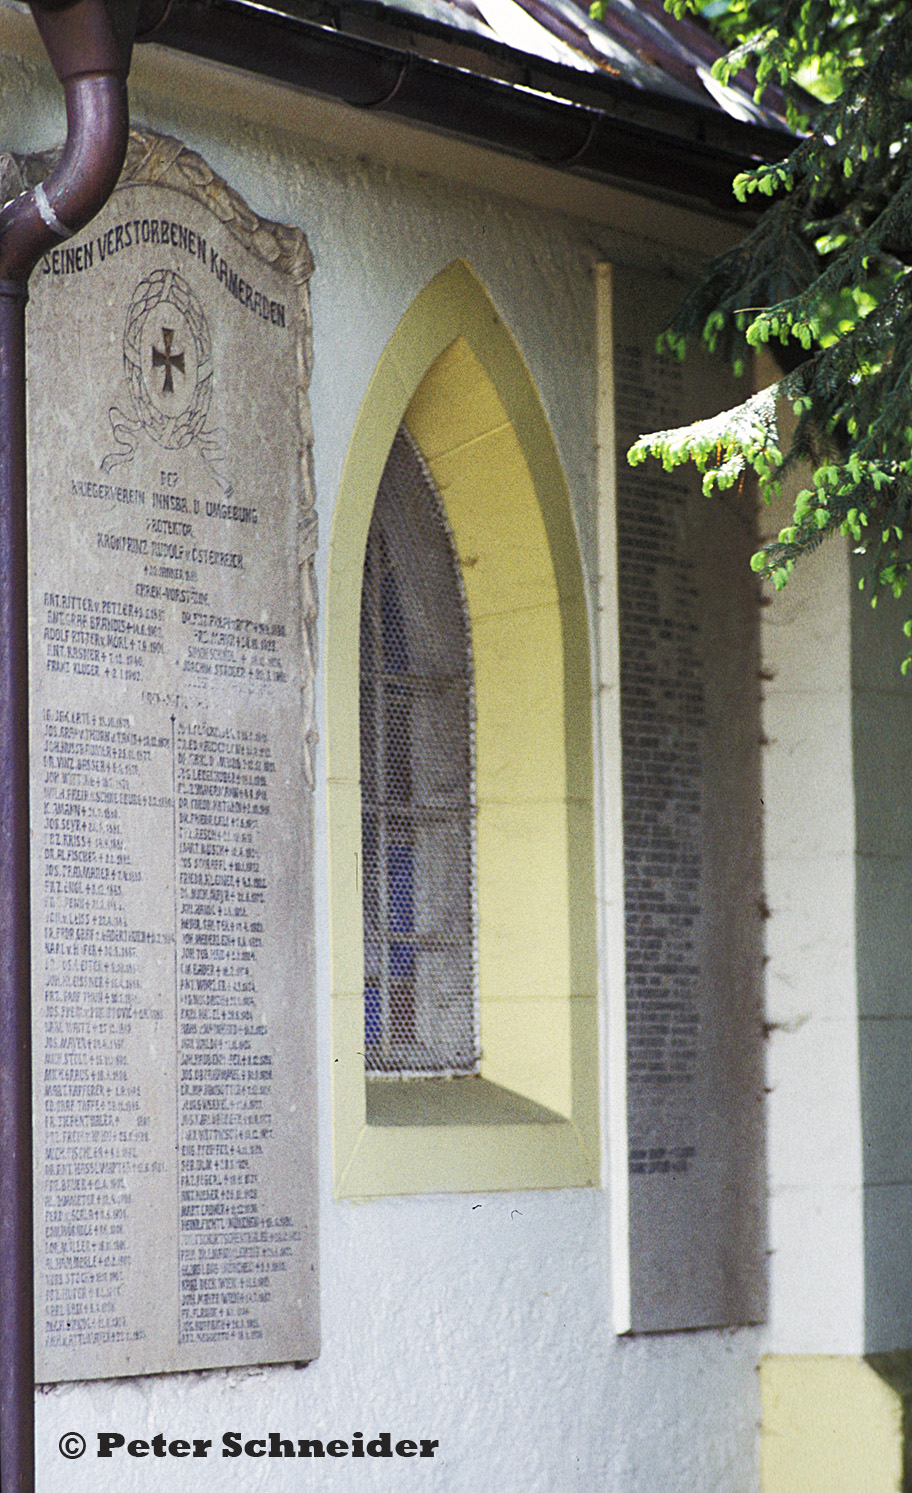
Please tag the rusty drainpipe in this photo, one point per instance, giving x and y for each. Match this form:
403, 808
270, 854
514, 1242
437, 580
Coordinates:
89, 43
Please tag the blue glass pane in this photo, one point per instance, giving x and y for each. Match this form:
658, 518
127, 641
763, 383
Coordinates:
371, 1015
401, 889
402, 961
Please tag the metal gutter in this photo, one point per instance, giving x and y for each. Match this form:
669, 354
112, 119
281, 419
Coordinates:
575, 120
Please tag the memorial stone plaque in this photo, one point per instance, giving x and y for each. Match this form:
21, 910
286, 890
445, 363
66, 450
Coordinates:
690, 732
172, 614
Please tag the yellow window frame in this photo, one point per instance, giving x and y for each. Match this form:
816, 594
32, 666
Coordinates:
454, 375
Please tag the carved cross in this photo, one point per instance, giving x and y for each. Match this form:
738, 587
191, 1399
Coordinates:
168, 360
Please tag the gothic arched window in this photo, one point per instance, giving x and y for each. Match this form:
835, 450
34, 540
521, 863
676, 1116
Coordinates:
417, 784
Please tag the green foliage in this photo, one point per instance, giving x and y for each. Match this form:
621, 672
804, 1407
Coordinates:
722, 447
824, 279
813, 43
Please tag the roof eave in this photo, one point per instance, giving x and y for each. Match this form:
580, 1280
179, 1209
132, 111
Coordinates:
619, 135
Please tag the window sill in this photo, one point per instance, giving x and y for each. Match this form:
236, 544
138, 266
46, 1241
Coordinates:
399, 1137
451, 1101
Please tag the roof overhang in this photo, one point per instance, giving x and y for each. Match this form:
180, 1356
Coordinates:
371, 56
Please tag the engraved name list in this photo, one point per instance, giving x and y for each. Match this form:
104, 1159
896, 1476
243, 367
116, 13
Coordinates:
172, 618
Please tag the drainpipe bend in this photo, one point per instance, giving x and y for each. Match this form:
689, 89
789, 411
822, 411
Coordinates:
79, 185
92, 63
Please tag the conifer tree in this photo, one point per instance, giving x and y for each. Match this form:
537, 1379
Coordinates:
825, 276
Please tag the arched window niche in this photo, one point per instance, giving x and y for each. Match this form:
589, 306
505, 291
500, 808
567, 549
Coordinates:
453, 376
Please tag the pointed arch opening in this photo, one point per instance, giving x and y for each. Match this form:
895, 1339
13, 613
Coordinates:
526, 1114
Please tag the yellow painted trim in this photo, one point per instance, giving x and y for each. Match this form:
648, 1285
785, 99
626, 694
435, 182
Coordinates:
831, 1425
454, 375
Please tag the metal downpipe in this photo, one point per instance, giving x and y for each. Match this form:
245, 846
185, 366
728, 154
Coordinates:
89, 46
17, 1389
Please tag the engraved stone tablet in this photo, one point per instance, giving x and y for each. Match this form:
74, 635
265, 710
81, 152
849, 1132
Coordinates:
690, 739
172, 614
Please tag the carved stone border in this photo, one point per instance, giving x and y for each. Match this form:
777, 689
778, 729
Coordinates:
160, 160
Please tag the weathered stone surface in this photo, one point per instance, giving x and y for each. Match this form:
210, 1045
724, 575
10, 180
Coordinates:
690, 739
172, 609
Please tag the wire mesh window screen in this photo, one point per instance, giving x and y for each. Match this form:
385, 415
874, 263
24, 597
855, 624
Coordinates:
417, 787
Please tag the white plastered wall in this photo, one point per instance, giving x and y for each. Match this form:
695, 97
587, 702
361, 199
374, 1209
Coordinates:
483, 1322
814, 1136
838, 856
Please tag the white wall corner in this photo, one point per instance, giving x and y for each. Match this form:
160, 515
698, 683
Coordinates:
817, 1245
